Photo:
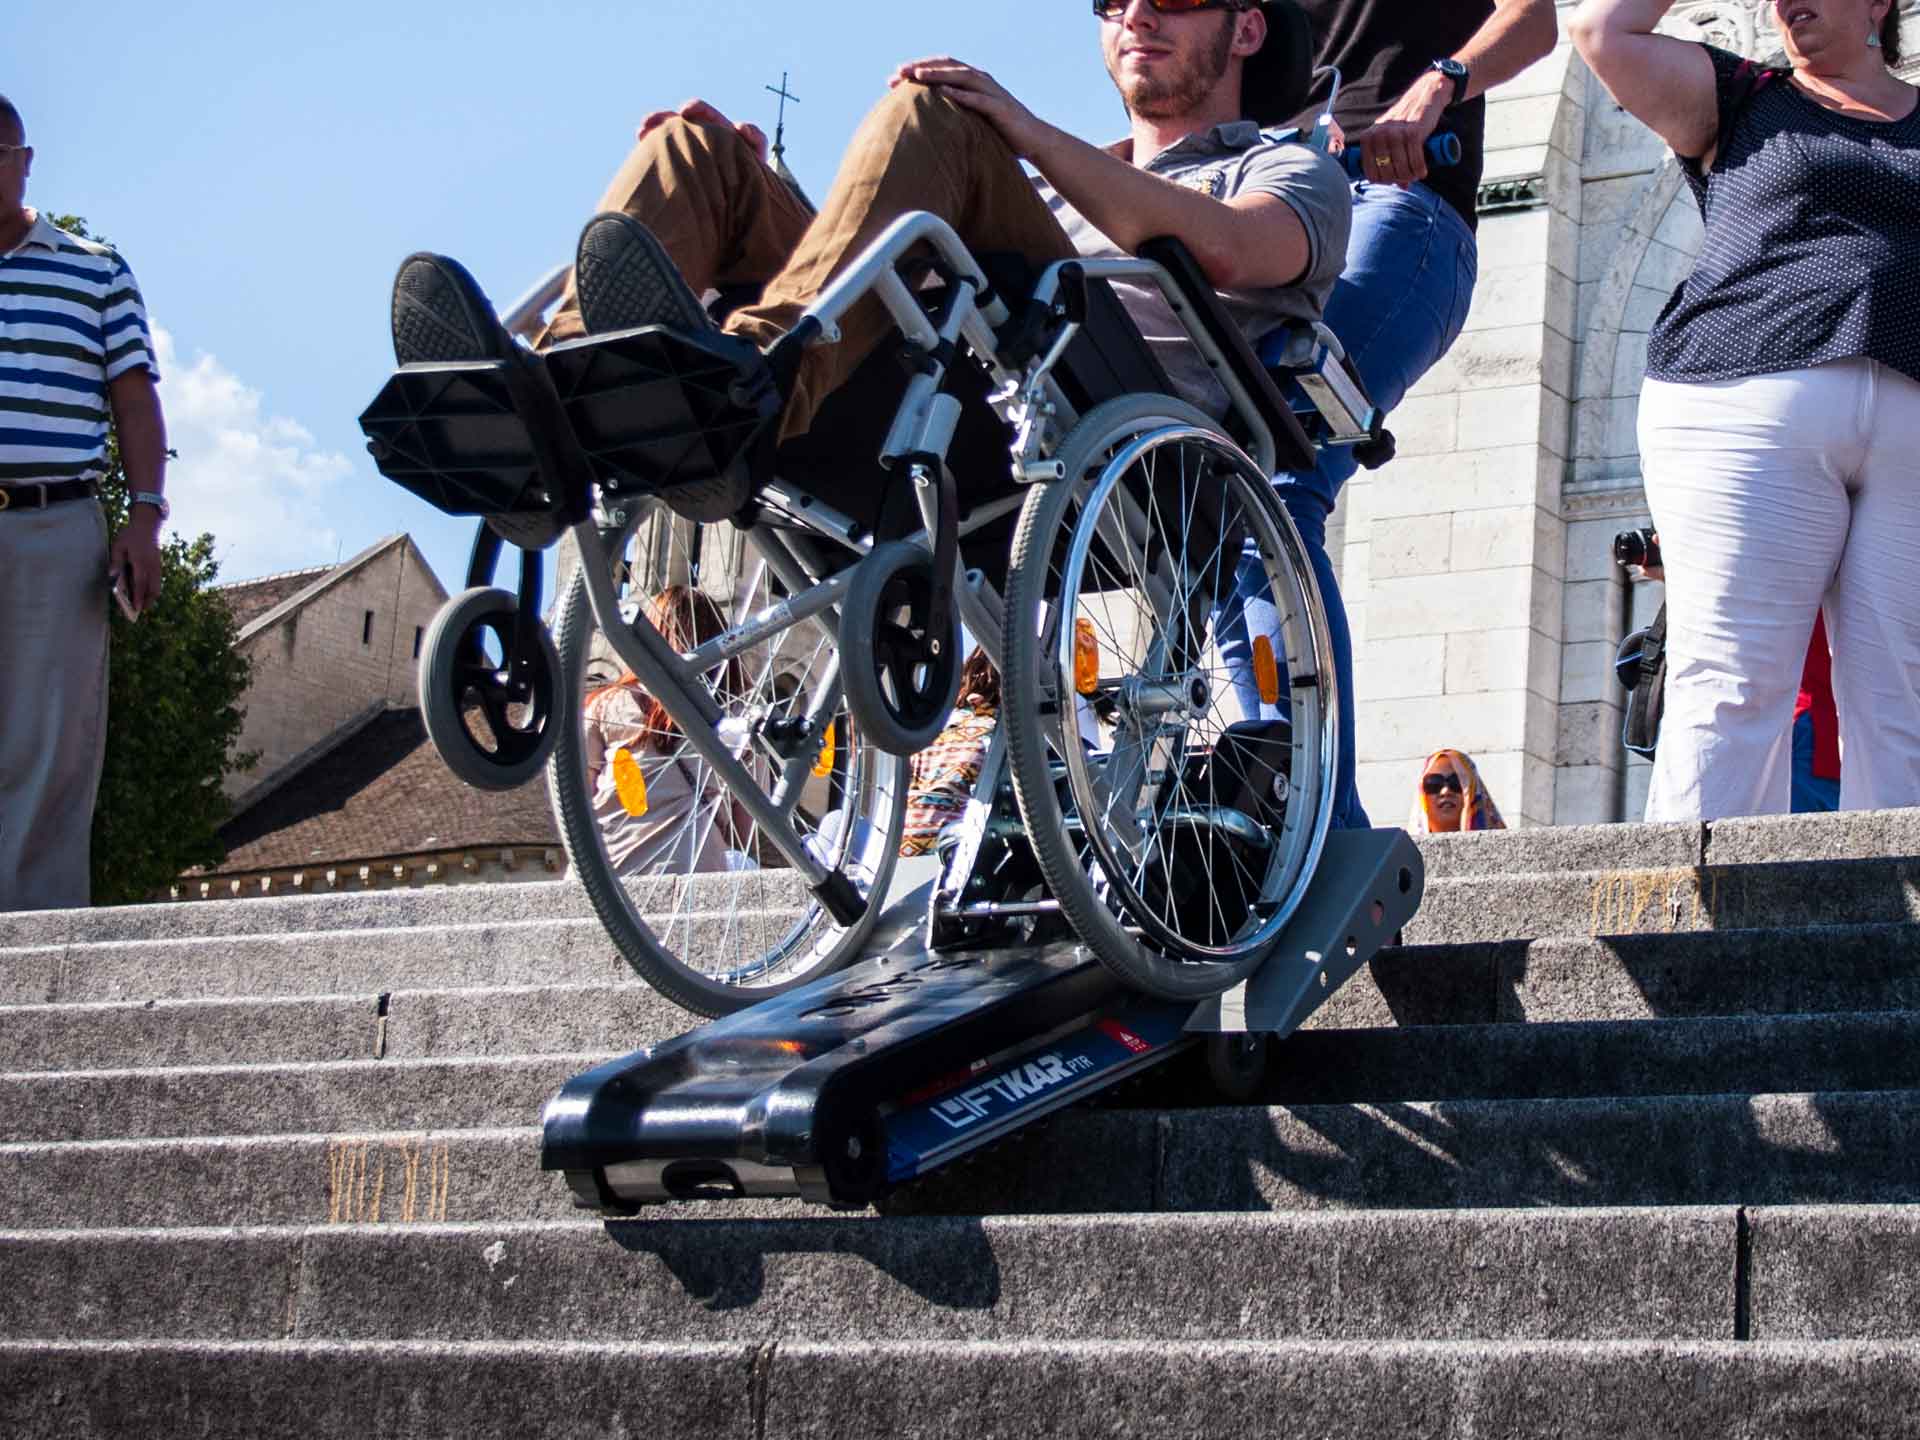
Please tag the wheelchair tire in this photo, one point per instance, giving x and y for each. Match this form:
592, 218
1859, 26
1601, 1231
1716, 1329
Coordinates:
1127, 562
719, 941
901, 697
466, 662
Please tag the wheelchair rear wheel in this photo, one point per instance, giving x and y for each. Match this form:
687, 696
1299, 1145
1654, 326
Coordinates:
707, 910
1177, 830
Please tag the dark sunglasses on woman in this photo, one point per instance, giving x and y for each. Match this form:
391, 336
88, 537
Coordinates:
1114, 9
1434, 784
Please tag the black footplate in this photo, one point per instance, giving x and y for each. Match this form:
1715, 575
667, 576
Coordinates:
452, 435
477, 437
657, 412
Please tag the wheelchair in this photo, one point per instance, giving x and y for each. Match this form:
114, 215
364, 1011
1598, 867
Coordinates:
1013, 466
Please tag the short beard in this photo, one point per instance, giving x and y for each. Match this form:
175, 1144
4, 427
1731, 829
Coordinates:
1168, 97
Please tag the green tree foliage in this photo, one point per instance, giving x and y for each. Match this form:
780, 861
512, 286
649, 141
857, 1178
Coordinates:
174, 688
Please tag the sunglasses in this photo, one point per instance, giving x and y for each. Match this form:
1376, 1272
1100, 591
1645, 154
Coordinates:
1114, 9
1434, 784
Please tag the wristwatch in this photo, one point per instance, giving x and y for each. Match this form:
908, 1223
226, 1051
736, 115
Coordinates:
153, 498
1457, 73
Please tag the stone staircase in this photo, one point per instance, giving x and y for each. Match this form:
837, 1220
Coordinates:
269, 1167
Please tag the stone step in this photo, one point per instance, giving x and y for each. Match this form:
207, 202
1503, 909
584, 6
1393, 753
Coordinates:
1866, 1051
1795, 1273
396, 1025
1488, 1274
427, 907
1815, 970
1788, 1149
476, 1001
1587, 849
1841, 1052
477, 1092
1632, 977
295, 1179
1642, 1390
531, 952
1649, 901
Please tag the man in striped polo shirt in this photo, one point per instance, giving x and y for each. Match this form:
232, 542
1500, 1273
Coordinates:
74, 347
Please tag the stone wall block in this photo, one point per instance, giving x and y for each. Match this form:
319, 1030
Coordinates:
1468, 480
1400, 669
1427, 425
1589, 731
1413, 545
1586, 672
1585, 795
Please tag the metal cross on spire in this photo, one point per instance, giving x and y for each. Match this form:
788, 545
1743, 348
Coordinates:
780, 125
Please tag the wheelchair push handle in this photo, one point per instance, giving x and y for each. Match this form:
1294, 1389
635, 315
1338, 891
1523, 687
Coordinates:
1443, 150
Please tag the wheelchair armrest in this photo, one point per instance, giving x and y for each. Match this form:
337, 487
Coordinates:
1292, 449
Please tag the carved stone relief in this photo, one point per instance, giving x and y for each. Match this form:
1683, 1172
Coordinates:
1746, 27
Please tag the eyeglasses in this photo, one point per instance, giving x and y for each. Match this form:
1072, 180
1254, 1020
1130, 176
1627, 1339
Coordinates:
6, 150
1114, 9
1434, 784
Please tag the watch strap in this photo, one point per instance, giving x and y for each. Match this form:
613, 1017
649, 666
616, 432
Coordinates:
153, 498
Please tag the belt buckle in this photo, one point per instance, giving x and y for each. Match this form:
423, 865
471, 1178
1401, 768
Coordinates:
6, 498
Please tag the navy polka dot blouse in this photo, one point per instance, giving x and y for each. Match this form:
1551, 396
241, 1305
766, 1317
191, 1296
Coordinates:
1812, 240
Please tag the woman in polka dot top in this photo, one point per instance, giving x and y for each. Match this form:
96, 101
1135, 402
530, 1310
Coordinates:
1780, 418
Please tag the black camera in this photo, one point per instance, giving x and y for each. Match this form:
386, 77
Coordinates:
1636, 547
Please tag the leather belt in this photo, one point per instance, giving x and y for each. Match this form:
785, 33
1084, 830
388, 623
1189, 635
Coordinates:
38, 495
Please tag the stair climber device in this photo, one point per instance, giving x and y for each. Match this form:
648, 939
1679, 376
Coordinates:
960, 1027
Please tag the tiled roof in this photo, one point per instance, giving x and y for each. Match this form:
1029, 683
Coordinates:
381, 792
250, 599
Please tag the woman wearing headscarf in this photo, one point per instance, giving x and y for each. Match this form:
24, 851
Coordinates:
1780, 417
1452, 796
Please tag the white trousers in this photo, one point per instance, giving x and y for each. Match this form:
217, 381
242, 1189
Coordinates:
1776, 496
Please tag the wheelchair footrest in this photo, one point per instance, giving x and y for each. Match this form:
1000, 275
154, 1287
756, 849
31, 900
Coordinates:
683, 417
454, 435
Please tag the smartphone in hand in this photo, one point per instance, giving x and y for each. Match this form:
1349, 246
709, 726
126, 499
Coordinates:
119, 583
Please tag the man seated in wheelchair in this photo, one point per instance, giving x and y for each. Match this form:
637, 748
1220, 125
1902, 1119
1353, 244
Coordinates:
1177, 836
695, 210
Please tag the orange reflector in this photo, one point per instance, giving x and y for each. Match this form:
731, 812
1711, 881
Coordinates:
823, 764
1266, 670
1086, 657
628, 783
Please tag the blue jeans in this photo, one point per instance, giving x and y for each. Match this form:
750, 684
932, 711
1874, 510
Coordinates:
1411, 266
1810, 792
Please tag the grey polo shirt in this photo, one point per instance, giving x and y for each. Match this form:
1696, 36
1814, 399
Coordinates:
1226, 162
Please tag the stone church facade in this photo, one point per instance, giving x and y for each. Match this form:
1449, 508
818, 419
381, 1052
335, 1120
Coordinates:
1477, 568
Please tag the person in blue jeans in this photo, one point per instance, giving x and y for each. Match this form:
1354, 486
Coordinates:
1408, 72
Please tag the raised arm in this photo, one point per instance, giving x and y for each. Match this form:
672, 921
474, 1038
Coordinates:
1665, 83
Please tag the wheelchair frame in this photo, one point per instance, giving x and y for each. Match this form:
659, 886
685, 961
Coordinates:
1028, 397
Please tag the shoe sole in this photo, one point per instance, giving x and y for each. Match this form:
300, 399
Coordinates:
440, 314
625, 280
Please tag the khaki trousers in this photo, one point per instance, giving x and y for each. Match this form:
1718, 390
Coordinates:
53, 700
728, 220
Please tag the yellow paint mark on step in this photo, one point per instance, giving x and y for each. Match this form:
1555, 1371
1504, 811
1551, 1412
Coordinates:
1628, 902
398, 1181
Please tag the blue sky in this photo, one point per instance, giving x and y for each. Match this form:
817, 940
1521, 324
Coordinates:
265, 169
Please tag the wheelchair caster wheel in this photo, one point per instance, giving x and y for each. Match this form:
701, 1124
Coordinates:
1236, 1064
900, 681
488, 709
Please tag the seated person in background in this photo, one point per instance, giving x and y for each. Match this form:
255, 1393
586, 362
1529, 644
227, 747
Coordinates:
1452, 797
695, 207
945, 773
661, 810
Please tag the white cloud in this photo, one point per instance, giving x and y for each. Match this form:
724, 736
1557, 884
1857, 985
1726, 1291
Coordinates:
258, 482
